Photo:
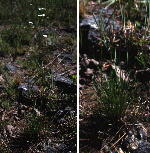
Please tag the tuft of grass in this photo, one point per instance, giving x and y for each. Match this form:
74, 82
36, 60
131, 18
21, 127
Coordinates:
114, 97
35, 124
16, 36
14, 41
143, 60
5, 104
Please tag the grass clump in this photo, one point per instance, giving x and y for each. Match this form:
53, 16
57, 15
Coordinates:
16, 36
114, 97
14, 40
143, 60
34, 124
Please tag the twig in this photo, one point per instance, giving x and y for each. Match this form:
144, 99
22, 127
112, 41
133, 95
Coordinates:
113, 137
118, 140
53, 60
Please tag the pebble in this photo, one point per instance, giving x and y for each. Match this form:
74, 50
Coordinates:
1, 79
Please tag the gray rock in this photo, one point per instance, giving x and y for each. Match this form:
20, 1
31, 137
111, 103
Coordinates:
61, 79
64, 84
144, 147
50, 150
11, 68
92, 28
95, 21
66, 58
26, 90
136, 140
27, 87
106, 11
61, 147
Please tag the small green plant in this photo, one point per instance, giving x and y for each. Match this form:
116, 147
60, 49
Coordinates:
34, 124
5, 104
5, 48
114, 96
14, 41
16, 36
9, 88
143, 60
132, 10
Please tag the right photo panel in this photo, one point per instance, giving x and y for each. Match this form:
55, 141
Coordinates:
114, 70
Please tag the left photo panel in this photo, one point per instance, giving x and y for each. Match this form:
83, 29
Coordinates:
38, 76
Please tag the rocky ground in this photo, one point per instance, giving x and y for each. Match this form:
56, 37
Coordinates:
97, 133
37, 82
